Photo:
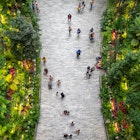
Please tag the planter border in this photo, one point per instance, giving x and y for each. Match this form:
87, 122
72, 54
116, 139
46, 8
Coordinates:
106, 131
36, 127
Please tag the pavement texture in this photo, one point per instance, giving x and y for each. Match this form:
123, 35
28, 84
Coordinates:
81, 93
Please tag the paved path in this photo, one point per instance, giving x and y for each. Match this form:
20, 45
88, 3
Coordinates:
82, 94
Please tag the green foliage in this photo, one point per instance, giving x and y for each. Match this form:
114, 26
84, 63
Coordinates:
134, 116
133, 100
107, 19
134, 42
28, 48
19, 94
29, 15
110, 3
122, 67
119, 24
134, 34
2, 61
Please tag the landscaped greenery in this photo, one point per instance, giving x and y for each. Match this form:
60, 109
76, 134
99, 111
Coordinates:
19, 70
120, 91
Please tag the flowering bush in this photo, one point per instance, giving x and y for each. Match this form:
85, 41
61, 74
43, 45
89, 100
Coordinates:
121, 56
19, 94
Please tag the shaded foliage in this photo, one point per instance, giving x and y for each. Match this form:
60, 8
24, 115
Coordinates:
25, 40
121, 69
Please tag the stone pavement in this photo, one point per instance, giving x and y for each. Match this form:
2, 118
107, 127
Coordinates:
82, 94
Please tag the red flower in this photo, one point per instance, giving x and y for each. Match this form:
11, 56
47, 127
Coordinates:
113, 44
12, 71
9, 93
126, 126
23, 111
113, 31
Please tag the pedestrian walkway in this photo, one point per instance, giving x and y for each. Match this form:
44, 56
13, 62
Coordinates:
81, 94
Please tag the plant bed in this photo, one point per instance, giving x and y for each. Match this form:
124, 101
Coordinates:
120, 58
19, 72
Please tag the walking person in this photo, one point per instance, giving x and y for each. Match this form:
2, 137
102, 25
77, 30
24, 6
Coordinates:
88, 74
72, 123
78, 52
45, 71
91, 36
91, 30
62, 95
83, 4
33, 5
69, 17
91, 3
50, 84
66, 112
50, 78
88, 68
58, 83
67, 136
78, 131
70, 29
79, 7
57, 93
78, 31
44, 60
36, 6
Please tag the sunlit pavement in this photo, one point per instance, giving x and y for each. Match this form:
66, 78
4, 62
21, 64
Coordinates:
82, 94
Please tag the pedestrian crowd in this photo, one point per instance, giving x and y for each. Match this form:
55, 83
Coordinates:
89, 70
82, 5
35, 6
62, 96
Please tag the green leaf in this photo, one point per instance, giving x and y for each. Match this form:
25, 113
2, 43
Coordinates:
138, 34
134, 42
